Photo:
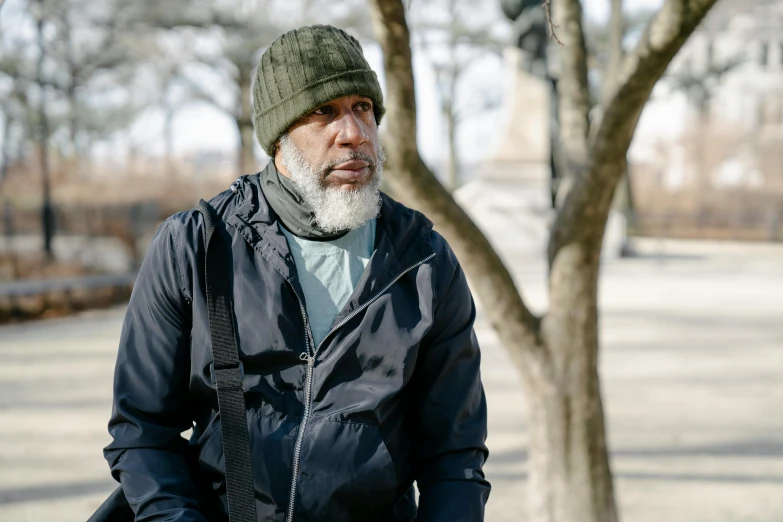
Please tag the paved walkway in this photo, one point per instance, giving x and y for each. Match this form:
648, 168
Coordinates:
692, 372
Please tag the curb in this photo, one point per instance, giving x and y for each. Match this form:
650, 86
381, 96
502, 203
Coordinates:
25, 300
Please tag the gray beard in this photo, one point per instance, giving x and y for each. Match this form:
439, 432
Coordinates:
336, 210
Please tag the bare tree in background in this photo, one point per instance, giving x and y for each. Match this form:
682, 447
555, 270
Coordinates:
38, 10
106, 62
89, 41
49, 88
557, 353
699, 82
605, 52
453, 45
15, 107
244, 30
86, 55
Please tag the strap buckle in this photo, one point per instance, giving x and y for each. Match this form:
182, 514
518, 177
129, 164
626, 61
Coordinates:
212, 371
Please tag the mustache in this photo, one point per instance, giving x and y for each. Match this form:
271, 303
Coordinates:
355, 155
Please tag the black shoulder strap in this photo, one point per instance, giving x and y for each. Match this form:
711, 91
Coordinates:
228, 371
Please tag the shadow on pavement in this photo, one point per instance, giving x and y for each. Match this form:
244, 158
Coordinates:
53, 491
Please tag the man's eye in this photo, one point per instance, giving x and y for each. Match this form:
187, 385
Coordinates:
363, 106
321, 111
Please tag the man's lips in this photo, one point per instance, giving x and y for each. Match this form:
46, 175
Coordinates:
353, 170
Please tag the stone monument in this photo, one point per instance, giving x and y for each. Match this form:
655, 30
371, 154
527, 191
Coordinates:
513, 195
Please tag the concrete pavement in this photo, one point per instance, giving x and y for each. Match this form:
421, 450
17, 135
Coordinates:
692, 374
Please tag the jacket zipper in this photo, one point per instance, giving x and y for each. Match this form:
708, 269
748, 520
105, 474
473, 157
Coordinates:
309, 378
300, 434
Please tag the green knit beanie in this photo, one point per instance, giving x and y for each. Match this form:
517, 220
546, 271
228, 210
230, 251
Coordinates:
303, 69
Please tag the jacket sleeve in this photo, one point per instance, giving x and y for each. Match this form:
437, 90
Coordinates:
150, 408
451, 407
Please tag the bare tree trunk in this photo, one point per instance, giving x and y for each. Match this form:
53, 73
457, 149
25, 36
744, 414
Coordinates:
616, 55
570, 329
447, 78
168, 138
451, 136
47, 212
449, 109
70, 89
247, 161
6, 149
570, 478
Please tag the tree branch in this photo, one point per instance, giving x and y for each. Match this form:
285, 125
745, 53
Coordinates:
200, 93
660, 42
547, 6
616, 55
572, 87
492, 282
584, 213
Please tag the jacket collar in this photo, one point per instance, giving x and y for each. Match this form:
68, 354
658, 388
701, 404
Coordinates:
401, 238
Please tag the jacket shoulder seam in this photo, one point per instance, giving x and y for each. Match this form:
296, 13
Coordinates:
179, 255
440, 250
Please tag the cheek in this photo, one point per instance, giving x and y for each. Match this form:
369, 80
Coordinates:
313, 144
371, 128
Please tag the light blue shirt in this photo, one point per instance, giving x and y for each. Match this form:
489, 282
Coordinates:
329, 271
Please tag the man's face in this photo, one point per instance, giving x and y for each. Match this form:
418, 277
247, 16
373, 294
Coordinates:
334, 157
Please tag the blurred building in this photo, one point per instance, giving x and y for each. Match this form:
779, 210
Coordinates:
708, 154
747, 38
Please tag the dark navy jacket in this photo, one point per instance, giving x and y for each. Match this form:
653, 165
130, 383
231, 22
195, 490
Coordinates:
394, 390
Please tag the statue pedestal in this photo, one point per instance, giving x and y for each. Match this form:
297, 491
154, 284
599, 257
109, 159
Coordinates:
526, 138
510, 198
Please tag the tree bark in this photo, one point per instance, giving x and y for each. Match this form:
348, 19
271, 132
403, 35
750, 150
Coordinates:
572, 87
570, 475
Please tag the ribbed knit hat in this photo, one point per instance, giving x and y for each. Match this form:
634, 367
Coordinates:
303, 69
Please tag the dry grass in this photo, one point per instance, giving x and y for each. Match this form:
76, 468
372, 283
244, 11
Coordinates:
37, 266
703, 203
97, 184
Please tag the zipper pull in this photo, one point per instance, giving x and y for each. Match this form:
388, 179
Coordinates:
306, 357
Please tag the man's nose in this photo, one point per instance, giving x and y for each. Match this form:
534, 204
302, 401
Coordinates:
350, 131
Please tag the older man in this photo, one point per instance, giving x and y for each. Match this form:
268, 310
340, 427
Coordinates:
353, 318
